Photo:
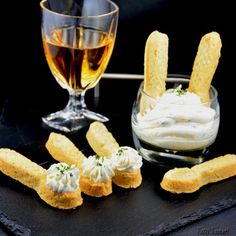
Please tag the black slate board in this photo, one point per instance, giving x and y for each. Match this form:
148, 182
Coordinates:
125, 212
147, 209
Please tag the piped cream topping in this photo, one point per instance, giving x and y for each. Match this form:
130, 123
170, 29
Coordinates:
98, 168
63, 178
126, 159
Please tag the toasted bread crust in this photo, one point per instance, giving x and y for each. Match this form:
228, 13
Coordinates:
188, 180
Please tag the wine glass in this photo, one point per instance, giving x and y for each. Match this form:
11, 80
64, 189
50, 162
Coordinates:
78, 38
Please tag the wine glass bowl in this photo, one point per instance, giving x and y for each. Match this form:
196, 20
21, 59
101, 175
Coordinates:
78, 39
175, 132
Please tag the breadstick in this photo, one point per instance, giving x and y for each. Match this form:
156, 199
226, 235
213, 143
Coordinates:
21, 168
101, 140
63, 150
188, 180
155, 67
34, 176
205, 65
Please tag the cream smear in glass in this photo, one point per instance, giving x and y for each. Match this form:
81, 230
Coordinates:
178, 121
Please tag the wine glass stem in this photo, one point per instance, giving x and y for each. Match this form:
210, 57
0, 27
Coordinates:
82, 100
77, 108
76, 102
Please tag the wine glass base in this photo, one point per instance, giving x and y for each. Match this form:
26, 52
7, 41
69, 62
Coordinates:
70, 121
94, 116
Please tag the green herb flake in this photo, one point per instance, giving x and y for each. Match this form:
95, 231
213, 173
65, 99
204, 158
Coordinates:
179, 91
62, 168
99, 160
121, 151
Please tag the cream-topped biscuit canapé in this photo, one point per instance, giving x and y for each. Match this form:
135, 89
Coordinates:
96, 177
127, 164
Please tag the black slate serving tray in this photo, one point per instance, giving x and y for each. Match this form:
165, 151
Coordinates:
148, 210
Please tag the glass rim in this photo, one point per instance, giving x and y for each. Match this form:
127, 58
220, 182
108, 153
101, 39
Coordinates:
116, 9
180, 78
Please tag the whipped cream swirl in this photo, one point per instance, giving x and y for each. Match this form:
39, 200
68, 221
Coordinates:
126, 159
63, 178
179, 120
97, 168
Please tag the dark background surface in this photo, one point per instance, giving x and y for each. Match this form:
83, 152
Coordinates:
29, 91
28, 80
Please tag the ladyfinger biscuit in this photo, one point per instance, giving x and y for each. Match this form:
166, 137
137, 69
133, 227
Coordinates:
205, 65
188, 180
155, 67
101, 140
63, 150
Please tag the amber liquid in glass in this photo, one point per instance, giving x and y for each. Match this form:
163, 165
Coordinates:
77, 57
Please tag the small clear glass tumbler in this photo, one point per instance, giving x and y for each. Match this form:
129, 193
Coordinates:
178, 128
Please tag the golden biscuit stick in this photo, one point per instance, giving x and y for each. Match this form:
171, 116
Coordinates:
20, 168
155, 67
101, 140
188, 180
63, 150
205, 65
